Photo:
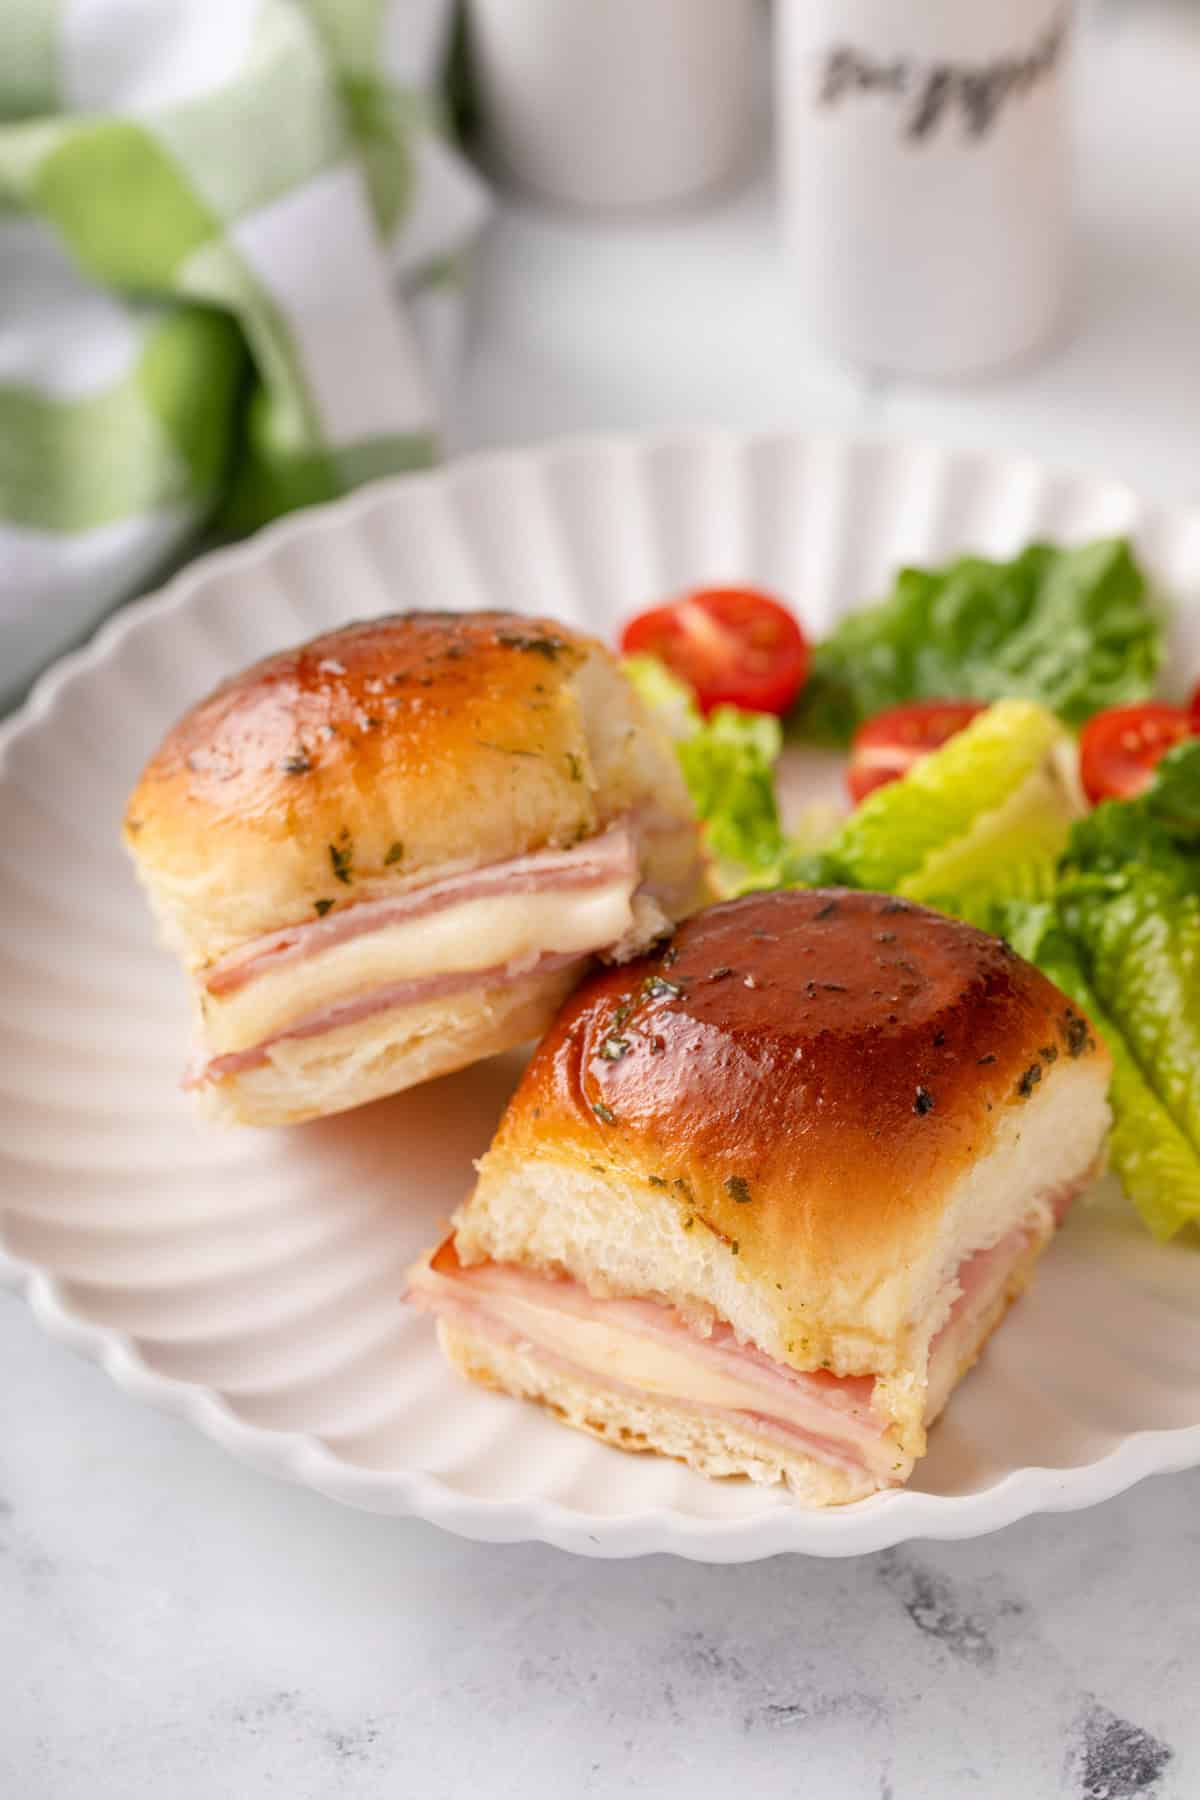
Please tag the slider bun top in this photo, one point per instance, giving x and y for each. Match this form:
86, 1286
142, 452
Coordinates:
380, 755
807, 1078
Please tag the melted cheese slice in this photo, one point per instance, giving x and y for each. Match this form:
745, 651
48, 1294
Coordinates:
483, 933
645, 1348
670, 1371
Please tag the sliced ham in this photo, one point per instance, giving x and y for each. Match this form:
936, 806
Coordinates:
830, 1417
594, 863
768, 1421
350, 1011
981, 1280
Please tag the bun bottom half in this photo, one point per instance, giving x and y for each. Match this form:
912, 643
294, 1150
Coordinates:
308, 1078
718, 1447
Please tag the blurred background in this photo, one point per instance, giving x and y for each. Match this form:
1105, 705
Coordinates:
253, 252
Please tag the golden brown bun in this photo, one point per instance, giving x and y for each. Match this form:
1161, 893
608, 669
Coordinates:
801, 1115
379, 755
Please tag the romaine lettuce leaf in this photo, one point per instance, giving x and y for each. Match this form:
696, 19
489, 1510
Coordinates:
1129, 898
1012, 850
933, 831
728, 762
1123, 939
1142, 943
1157, 1163
1071, 628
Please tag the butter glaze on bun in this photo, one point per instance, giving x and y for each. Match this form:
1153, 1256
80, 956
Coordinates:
437, 740
800, 1121
371, 764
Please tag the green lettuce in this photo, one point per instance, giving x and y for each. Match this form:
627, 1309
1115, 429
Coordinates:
1129, 896
1130, 891
983, 817
1122, 937
1156, 1162
1071, 628
728, 762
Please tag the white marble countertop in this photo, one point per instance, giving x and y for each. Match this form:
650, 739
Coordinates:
172, 1625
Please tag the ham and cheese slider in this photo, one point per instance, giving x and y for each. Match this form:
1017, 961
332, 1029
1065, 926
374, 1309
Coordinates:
761, 1196
393, 850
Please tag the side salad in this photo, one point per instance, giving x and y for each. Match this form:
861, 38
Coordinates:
1008, 767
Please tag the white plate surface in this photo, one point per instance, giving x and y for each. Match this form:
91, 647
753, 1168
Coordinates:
250, 1281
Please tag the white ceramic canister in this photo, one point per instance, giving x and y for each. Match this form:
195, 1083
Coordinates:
924, 176
614, 104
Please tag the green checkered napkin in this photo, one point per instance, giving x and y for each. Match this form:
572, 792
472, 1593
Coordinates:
227, 231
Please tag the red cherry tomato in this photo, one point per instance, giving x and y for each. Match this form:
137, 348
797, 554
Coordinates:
1118, 749
734, 646
1196, 711
888, 745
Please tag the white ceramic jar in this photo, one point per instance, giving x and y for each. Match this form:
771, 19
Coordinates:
614, 104
924, 176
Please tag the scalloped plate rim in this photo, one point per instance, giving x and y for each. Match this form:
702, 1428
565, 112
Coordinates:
879, 1523
871, 1525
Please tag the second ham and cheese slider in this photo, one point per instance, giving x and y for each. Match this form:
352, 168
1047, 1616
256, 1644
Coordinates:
761, 1196
392, 851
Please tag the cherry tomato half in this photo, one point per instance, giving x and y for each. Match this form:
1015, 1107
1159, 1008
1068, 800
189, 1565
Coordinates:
888, 745
734, 646
1118, 749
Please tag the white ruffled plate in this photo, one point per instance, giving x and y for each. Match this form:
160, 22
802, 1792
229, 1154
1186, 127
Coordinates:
250, 1281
